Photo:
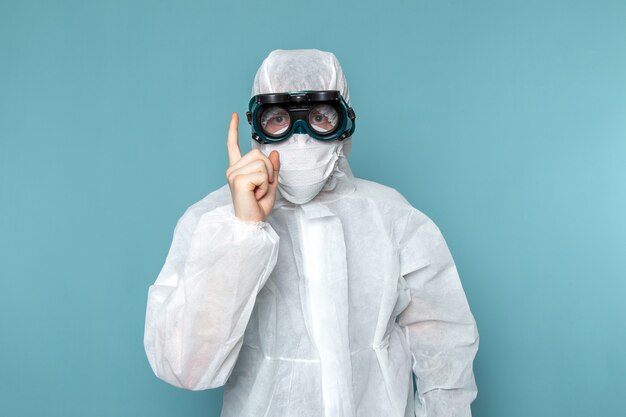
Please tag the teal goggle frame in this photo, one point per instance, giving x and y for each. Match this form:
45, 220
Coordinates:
299, 105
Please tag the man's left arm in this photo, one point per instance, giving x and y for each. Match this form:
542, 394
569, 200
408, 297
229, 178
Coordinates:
438, 323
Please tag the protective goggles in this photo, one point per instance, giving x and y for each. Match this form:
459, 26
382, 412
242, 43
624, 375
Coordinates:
322, 114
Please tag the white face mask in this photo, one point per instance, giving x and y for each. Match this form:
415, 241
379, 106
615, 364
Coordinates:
305, 165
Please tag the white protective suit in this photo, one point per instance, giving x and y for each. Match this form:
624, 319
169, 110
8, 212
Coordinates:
326, 308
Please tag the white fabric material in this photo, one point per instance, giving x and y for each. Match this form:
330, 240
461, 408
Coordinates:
306, 164
326, 309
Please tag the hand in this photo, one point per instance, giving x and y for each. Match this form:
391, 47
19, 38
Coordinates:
253, 178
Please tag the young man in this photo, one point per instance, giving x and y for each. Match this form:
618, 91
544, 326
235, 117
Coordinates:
304, 290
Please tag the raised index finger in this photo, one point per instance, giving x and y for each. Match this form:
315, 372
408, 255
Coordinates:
232, 143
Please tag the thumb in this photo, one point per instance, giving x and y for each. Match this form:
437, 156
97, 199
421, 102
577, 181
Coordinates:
268, 200
274, 158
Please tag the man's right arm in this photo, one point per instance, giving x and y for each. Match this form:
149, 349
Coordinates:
201, 302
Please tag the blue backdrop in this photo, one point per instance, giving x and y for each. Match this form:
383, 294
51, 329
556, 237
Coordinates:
504, 121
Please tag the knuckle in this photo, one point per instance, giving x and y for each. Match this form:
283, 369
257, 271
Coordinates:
238, 180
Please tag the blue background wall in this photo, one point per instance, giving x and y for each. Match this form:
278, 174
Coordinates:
504, 121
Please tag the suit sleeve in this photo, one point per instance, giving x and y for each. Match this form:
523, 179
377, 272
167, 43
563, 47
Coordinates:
438, 323
200, 304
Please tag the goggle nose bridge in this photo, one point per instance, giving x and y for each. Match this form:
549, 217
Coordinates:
300, 126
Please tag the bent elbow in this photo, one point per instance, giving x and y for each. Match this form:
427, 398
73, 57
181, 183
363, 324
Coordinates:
196, 374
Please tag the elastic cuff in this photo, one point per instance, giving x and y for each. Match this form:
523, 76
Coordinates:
249, 224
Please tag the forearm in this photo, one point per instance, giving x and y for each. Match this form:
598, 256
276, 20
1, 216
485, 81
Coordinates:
194, 329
